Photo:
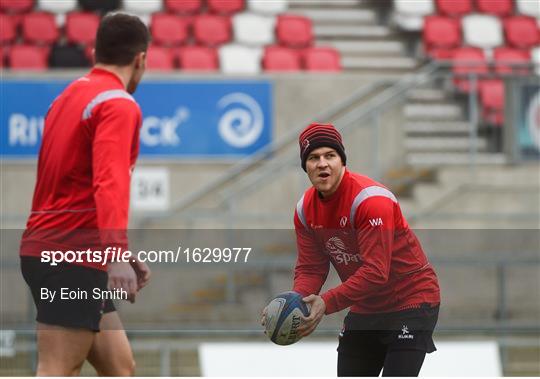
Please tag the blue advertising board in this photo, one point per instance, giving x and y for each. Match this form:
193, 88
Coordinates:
181, 119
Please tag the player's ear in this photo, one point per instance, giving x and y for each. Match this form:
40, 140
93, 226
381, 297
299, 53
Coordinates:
140, 60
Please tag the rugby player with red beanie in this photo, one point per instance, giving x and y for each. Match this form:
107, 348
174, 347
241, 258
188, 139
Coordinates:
354, 223
81, 201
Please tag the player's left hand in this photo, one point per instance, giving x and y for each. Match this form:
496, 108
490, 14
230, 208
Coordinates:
318, 307
143, 273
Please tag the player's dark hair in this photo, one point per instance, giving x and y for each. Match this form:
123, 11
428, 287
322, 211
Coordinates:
120, 37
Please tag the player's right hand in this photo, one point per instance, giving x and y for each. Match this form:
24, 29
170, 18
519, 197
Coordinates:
122, 276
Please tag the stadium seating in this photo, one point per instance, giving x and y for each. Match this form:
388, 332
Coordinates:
529, 8
521, 31
441, 35
321, 59
102, 6
159, 58
39, 27
280, 58
482, 31
454, 8
499, 8
535, 58
225, 6
253, 29
28, 57
409, 15
197, 58
273, 7
16, 6
81, 27
57, 6
68, 56
168, 29
468, 60
238, 59
212, 30
294, 31
184, 6
491, 95
7, 29
142, 6
508, 61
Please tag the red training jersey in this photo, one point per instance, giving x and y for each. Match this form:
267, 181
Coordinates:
360, 230
90, 145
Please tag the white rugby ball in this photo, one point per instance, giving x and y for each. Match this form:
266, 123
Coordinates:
284, 316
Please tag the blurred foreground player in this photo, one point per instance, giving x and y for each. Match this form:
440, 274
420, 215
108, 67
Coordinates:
81, 200
356, 224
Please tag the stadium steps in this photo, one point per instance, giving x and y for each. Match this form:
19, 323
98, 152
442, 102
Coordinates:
353, 28
438, 133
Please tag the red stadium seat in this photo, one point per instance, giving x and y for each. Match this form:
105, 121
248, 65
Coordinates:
225, 6
441, 36
7, 29
28, 57
212, 30
294, 31
81, 27
500, 8
521, 32
159, 58
169, 29
492, 101
16, 6
198, 58
280, 58
506, 57
454, 8
40, 27
322, 59
184, 6
468, 60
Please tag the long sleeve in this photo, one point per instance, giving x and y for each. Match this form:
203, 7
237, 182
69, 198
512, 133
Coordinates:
312, 264
374, 227
115, 126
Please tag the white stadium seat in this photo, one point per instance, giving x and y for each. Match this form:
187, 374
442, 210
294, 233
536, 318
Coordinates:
143, 6
482, 31
238, 59
535, 57
253, 29
268, 6
409, 15
57, 6
529, 7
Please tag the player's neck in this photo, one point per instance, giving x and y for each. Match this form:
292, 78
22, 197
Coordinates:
122, 72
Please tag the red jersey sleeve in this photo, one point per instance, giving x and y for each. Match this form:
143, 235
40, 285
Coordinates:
116, 123
374, 227
312, 265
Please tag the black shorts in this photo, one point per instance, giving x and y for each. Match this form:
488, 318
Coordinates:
410, 329
73, 304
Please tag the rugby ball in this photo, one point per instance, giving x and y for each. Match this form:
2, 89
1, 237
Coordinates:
283, 317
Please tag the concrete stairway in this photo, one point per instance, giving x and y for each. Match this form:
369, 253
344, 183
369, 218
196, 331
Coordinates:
438, 132
351, 26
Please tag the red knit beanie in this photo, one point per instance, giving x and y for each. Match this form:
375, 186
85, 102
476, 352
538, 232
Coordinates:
320, 135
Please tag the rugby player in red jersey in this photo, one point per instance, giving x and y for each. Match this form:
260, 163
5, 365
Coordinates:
90, 145
354, 223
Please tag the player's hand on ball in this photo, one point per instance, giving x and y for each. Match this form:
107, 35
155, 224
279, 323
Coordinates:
143, 273
263, 316
317, 308
122, 276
